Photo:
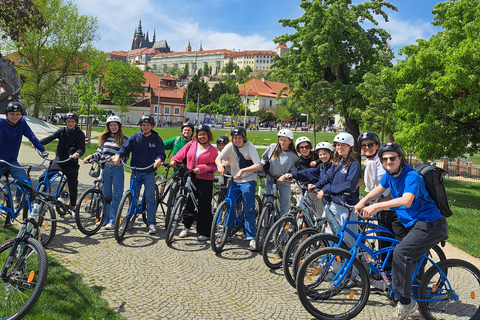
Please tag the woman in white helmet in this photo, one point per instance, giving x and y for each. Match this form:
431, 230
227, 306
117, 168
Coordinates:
109, 144
282, 158
307, 157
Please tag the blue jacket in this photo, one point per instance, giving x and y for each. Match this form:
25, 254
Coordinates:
145, 150
339, 179
311, 174
11, 138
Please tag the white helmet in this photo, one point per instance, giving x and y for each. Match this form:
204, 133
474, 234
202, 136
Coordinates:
285, 133
324, 145
300, 140
114, 119
344, 137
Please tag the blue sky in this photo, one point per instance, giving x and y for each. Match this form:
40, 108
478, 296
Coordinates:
230, 24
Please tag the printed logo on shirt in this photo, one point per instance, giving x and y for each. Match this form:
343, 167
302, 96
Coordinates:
344, 170
151, 145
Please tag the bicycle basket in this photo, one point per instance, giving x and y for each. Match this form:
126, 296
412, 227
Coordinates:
94, 170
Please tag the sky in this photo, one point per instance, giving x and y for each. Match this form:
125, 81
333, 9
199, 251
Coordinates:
231, 24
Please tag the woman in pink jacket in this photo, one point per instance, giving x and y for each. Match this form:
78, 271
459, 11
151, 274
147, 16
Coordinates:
200, 155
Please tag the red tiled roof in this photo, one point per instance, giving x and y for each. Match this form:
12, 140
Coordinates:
234, 54
119, 53
171, 54
152, 81
257, 87
283, 45
138, 52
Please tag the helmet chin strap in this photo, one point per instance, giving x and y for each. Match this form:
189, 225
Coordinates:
393, 174
371, 157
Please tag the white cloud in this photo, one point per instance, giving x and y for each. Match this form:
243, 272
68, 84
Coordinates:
405, 32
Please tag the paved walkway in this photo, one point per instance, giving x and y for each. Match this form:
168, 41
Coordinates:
142, 278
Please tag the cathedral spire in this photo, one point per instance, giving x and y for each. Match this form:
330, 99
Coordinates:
146, 38
188, 48
153, 40
200, 48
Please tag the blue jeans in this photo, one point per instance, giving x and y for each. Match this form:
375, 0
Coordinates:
114, 178
248, 201
341, 213
148, 179
284, 193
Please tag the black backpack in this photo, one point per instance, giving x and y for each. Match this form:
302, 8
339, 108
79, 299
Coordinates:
432, 176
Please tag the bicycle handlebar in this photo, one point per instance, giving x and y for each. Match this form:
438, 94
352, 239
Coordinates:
20, 167
60, 161
137, 168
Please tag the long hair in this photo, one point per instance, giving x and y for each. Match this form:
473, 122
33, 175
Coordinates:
346, 162
119, 137
278, 149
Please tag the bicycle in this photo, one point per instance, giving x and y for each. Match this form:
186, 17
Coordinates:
168, 188
46, 226
130, 207
228, 219
333, 277
90, 209
187, 191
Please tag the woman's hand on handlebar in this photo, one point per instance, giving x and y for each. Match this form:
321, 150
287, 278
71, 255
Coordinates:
310, 186
196, 170
157, 163
320, 195
115, 159
173, 163
87, 159
285, 176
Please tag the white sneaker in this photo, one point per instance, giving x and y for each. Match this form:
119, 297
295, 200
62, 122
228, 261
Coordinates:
404, 310
251, 245
377, 286
185, 233
202, 238
110, 226
152, 229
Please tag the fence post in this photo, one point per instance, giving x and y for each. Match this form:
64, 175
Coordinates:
445, 164
457, 166
469, 168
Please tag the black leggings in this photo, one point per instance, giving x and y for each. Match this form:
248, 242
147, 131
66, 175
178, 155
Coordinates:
70, 170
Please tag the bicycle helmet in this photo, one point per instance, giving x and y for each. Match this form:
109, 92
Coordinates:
71, 115
203, 127
344, 137
390, 147
324, 145
114, 119
300, 140
238, 131
368, 135
222, 140
15, 107
285, 133
147, 119
188, 124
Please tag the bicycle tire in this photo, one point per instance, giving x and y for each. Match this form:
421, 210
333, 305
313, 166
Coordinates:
315, 285
265, 221
26, 277
258, 205
464, 279
63, 188
220, 230
172, 195
159, 189
176, 217
290, 249
217, 198
311, 244
123, 218
47, 224
276, 239
90, 212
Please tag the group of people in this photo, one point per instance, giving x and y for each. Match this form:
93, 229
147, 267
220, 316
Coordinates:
328, 170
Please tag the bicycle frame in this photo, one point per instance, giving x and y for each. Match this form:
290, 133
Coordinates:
232, 200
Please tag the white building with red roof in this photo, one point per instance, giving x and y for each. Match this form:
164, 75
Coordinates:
262, 94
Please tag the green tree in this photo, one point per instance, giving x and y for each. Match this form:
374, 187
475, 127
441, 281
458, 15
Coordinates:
185, 69
265, 115
174, 71
248, 70
19, 17
206, 69
195, 87
218, 90
88, 91
191, 106
200, 72
439, 95
61, 48
230, 104
330, 53
229, 67
211, 108
123, 82
231, 85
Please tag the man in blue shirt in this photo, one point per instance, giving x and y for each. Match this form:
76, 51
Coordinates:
416, 211
147, 147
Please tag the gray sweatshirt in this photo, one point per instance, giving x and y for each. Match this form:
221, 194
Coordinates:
284, 164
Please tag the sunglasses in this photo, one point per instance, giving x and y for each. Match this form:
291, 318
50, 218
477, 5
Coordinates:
303, 147
392, 159
367, 145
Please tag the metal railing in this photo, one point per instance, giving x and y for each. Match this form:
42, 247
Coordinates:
457, 169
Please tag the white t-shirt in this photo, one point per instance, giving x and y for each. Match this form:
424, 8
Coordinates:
374, 172
248, 151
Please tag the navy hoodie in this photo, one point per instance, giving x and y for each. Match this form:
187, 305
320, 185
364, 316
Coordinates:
339, 179
11, 138
145, 150
312, 175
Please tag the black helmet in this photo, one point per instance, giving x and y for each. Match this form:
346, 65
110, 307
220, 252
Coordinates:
188, 124
15, 107
238, 131
222, 139
368, 135
390, 147
203, 127
71, 115
147, 118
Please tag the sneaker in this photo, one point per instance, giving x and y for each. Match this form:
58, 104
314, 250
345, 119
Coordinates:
251, 245
109, 226
152, 229
185, 232
405, 310
202, 238
72, 212
377, 286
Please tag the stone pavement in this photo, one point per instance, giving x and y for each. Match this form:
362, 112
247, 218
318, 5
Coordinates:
142, 278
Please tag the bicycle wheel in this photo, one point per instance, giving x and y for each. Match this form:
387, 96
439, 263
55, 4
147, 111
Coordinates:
276, 240
172, 195
176, 217
258, 205
327, 290
220, 230
25, 277
265, 221
47, 224
65, 194
217, 198
309, 245
122, 218
90, 212
455, 299
159, 189
290, 248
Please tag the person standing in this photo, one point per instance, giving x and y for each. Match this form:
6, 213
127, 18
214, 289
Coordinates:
109, 144
200, 156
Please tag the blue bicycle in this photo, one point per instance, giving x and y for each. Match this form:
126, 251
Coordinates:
130, 205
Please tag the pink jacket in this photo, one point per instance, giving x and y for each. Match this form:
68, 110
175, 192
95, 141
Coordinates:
205, 161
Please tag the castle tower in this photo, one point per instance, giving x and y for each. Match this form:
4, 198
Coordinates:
138, 36
188, 48
200, 48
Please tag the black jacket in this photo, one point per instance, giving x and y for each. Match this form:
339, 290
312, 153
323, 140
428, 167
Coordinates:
69, 142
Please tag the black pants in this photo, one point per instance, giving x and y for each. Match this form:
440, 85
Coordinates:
70, 170
204, 216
